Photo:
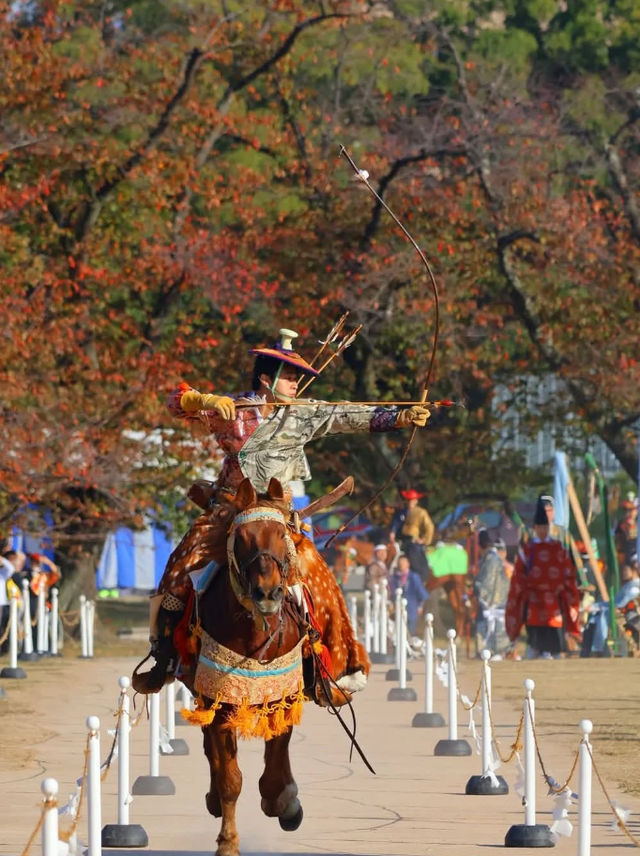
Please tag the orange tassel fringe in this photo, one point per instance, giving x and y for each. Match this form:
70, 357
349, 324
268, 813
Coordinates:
264, 721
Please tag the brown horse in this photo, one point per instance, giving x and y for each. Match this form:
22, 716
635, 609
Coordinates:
249, 677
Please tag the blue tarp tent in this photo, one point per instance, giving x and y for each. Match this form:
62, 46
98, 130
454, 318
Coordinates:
133, 560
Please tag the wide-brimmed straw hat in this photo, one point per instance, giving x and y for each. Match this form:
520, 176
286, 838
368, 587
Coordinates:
284, 352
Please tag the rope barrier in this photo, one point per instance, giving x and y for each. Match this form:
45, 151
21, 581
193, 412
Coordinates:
66, 834
7, 630
554, 788
46, 804
619, 820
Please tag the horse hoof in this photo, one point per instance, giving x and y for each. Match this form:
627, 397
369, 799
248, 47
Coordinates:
289, 824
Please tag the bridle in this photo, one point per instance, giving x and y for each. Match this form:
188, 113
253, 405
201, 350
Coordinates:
238, 571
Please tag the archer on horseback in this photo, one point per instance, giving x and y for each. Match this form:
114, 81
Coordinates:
262, 433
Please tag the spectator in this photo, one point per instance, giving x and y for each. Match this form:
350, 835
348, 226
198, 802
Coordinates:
501, 550
376, 572
491, 587
413, 527
44, 572
413, 590
626, 533
627, 601
543, 594
6, 572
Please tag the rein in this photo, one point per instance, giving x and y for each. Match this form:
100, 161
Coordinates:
350, 732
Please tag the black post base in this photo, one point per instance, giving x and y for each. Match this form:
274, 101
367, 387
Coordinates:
179, 746
31, 656
483, 786
427, 720
402, 694
452, 747
10, 672
124, 835
536, 835
154, 785
382, 658
394, 675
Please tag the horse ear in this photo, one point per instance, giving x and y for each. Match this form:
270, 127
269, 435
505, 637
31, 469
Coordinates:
275, 491
246, 494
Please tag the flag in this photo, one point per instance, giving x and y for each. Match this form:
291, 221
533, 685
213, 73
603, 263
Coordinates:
560, 490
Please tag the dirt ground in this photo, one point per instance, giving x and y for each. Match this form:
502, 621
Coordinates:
606, 691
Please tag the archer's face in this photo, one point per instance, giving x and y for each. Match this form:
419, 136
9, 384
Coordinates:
287, 384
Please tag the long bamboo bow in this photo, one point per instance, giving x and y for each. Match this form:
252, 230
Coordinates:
363, 176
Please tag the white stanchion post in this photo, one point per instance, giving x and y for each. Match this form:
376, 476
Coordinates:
384, 616
529, 834
124, 729
42, 620
584, 789
170, 711
452, 694
154, 734
398, 611
83, 626
402, 692
529, 756
13, 670
27, 644
488, 782
91, 623
453, 745
375, 624
485, 689
178, 745
54, 617
367, 621
154, 783
94, 804
427, 718
49, 837
353, 613
403, 646
428, 663
123, 833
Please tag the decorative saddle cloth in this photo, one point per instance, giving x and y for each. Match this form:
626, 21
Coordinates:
260, 699
237, 679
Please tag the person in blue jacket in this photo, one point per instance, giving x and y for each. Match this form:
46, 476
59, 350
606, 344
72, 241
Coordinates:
412, 589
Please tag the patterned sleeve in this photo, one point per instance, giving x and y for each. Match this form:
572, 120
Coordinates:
348, 418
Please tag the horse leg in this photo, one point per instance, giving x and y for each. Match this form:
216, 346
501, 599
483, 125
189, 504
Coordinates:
221, 748
278, 789
212, 798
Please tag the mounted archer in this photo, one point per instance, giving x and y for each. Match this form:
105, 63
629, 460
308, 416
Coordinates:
263, 434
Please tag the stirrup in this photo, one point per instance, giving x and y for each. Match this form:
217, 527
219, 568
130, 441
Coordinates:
155, 679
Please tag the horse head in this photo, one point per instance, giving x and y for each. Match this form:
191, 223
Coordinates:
260, 551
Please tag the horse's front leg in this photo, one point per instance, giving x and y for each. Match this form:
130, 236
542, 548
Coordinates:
277, 786
221, 748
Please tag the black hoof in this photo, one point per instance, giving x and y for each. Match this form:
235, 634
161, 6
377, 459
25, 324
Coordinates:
289, 824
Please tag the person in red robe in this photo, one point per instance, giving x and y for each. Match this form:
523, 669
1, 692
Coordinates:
543, 593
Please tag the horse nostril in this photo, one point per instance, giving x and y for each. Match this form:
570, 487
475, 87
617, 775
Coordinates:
277, 592
259, 593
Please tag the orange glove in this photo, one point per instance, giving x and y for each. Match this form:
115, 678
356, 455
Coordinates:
413, 416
